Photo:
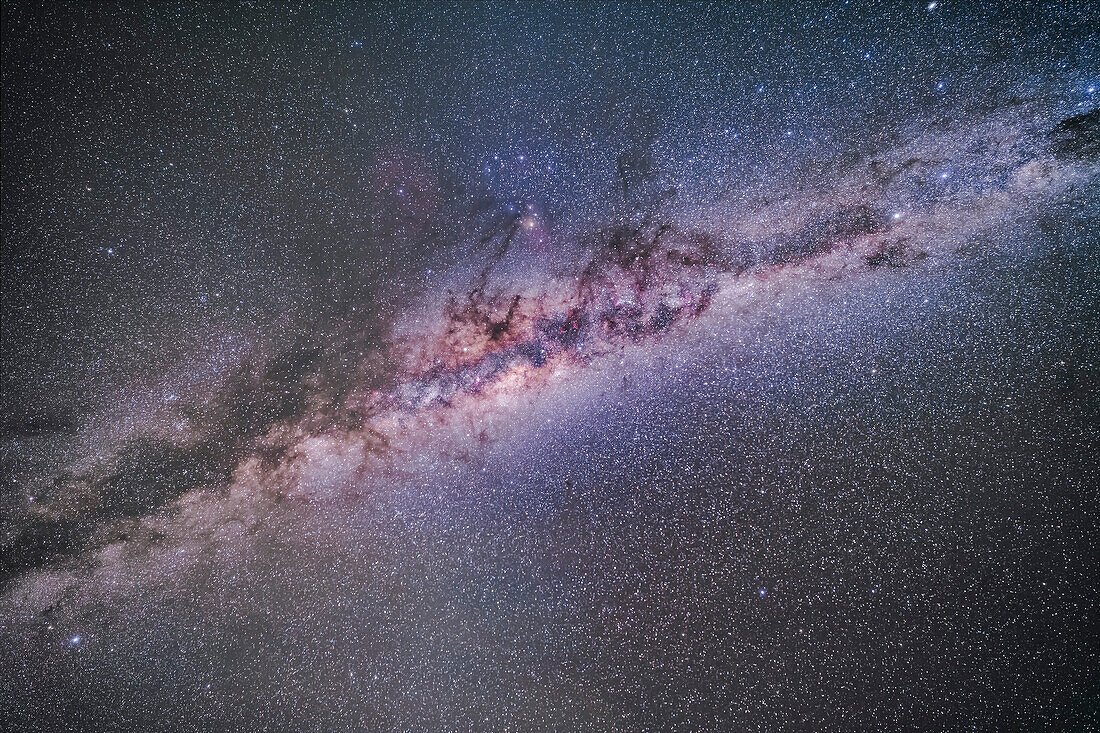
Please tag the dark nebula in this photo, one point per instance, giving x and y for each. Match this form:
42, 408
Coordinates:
495, 366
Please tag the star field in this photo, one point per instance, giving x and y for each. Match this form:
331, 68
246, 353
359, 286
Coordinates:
526, 366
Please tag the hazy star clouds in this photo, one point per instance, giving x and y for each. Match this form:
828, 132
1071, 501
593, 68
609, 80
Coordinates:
456, 366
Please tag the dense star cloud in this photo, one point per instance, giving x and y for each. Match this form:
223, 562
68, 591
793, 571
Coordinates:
550, 367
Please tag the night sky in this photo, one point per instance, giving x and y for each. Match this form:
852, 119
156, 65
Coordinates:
534, 367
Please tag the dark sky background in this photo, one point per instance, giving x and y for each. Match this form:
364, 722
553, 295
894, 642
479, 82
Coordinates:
521, 366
